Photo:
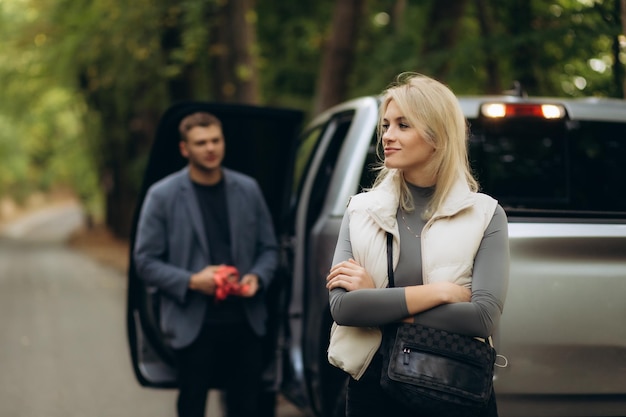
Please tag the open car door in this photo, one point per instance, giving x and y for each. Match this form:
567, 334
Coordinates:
258, 143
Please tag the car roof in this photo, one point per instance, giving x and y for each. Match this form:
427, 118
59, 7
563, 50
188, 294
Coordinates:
588, 108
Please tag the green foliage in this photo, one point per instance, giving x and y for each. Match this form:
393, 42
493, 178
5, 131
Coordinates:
581, 46
41, 147
84, 81
291, 36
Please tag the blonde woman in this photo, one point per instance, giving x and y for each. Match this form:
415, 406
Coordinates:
450, 243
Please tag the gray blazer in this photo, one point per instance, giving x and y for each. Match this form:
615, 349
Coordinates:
171, 245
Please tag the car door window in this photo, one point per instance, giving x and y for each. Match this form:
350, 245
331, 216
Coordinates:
340, 125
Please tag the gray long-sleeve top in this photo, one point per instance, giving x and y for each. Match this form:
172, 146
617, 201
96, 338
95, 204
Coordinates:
377, 307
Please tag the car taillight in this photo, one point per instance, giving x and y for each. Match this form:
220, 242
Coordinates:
545, 111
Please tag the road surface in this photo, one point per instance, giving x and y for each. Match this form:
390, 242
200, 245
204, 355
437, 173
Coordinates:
63, 350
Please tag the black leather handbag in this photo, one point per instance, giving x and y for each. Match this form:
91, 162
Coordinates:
435, 372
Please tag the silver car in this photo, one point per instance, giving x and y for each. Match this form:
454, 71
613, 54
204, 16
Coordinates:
557, 166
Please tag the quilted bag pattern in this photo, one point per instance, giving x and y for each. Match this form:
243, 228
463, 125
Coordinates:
435, 371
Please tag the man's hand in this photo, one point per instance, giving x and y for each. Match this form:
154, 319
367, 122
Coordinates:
204, 280
350, 276
249, 285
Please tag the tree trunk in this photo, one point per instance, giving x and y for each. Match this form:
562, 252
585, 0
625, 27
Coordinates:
441, 34
338, 55
125, 146
524, 59
397, 15
128, 134
620, 72
234, 63
179, 88
493, 83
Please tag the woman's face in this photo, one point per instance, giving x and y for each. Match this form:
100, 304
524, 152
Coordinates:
405, 149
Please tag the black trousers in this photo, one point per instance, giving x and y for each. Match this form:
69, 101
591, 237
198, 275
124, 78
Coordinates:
367, 399
225, 357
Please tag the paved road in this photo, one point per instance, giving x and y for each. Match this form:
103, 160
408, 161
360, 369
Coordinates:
63, 349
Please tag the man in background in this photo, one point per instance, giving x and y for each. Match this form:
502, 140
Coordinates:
205, 239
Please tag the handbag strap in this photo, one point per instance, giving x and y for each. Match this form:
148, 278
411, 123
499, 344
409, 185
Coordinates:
390, 260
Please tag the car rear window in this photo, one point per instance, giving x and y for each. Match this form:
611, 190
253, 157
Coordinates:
548, 167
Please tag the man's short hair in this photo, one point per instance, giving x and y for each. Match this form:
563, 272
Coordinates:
201, 118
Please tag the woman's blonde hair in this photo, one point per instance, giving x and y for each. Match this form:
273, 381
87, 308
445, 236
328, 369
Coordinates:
431, 108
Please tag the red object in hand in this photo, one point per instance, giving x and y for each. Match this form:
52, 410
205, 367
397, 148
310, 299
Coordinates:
227, 282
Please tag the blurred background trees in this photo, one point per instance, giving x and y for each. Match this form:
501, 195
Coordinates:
84, 82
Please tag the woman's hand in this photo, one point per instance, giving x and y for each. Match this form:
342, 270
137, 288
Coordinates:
452, 293
350, 276
424, 297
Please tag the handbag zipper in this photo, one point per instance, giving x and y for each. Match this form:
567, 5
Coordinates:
407, 349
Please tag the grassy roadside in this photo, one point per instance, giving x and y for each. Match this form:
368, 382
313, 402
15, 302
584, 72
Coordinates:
100, 244
97, 241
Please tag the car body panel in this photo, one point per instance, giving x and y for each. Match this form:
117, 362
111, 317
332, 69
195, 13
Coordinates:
561, 328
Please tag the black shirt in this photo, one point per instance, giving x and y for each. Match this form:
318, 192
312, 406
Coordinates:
212, 201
